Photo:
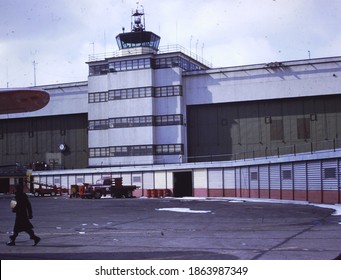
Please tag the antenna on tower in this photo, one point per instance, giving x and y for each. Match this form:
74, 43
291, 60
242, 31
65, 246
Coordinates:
137, 19
34, 67
7, 73
34, 73
138, 37
93, 48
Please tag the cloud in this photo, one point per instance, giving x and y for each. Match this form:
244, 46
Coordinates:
29, 20
59, 34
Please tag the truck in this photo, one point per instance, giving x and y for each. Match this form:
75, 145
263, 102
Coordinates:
107, 186
46, 189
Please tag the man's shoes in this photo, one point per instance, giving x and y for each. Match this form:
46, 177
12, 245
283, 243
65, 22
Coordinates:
10, 243
36, 241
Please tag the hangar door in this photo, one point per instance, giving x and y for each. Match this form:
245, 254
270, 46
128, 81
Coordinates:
183, 184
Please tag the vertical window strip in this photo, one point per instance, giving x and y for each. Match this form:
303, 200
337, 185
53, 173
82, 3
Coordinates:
167, 91
96, 97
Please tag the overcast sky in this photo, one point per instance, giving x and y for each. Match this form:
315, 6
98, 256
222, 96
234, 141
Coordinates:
60, 34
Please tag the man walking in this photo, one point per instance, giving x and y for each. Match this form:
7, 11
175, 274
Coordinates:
23, 211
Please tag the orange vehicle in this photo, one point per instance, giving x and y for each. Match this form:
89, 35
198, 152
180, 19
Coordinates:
78, 190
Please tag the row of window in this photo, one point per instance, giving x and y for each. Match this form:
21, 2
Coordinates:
125, 65
143, 63
137, 121
328, 173
175, 61
133, 64
138, 150
130, 93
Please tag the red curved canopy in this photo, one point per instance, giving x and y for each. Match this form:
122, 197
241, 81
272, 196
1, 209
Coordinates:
22, 100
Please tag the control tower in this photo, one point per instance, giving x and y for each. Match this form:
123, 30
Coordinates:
137, 109
138, 37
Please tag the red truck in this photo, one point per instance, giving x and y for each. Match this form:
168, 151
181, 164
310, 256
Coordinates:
46, 189
107, 186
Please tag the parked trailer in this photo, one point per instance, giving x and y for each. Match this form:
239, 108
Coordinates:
107, 186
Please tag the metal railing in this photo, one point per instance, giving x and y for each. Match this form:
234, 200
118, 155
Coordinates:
162, 50
179, 48
267, 152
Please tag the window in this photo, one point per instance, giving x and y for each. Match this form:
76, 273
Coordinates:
137, 150
254, 176
168, 120
175, 61
143, 63
127, 65
98, 69
137, 179
98, 124
130, 93
80, 180
130, 122
99, 152
330, 173
118, 151
97, 97
169, 149
163, 120
141, 92
168, 91
286, 174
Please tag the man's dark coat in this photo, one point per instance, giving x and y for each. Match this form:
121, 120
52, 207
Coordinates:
23, 212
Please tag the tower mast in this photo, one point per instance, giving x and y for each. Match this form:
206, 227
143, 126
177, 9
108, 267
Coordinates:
138, 37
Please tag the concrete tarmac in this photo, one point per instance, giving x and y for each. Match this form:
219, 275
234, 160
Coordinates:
172, 229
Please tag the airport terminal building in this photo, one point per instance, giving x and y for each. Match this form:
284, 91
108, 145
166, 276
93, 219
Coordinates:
163, 118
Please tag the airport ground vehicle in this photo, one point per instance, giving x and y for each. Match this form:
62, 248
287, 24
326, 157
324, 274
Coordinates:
107, 186
46, 189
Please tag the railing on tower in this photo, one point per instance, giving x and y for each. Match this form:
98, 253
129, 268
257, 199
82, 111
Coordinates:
162, 50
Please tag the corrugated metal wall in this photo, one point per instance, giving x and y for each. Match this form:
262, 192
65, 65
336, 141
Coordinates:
37, 139
314, 175
316, 181
262, 128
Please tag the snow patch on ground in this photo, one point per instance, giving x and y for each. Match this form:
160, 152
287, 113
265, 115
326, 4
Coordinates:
335, 207
183, 210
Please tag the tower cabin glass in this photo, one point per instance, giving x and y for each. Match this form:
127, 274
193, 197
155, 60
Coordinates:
138, 37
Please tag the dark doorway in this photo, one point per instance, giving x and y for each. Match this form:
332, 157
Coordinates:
4, 185
183, 184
